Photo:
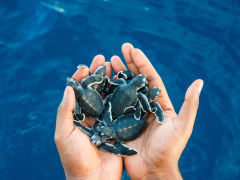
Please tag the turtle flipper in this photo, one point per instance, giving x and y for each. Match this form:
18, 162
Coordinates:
125, 74
84, 129
77, 115
153, 94
89, 81
144, 90
125, 150
115, 83
156, 108
144, 102
106, 147
130, 110
107, 115
107, 99
117, 148
137, 114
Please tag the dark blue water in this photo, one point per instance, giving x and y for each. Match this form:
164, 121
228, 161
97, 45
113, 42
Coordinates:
42, 42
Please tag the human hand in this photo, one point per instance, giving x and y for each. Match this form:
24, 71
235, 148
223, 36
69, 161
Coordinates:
80, 159
161, 145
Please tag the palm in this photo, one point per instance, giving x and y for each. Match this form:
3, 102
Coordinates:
85, 159
161, 145
156, 146
79, 157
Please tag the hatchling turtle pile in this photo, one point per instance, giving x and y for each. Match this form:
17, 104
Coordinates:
120, 114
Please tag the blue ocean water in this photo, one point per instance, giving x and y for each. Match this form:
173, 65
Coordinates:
42, 42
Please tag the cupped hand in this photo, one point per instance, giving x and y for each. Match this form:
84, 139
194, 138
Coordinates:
80, 159
160, 146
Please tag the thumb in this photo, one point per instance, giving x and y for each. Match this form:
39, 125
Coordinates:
189, 108
64, 122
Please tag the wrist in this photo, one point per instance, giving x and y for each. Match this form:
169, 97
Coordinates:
80, 177
171, 173
97, 175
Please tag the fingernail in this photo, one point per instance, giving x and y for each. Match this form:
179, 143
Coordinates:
113, 57
200, 86
127, 43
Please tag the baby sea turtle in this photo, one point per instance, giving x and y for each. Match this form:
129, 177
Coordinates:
152, 95
132, 98
88, 101
123, 129
126, 96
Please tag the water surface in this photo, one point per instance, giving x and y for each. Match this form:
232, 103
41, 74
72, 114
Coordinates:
41, 43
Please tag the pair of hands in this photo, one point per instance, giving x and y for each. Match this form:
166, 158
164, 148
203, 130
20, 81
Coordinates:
160, 146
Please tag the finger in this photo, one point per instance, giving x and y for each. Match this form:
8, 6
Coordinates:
126, 50
64, 122
145, 67
109, 69
81, 73
117, 64
189, 108
98, 60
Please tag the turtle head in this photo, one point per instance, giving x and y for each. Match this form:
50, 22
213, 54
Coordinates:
140, 81
96, 140
107, 131
153, 93
72, 82
75, 85
101, 70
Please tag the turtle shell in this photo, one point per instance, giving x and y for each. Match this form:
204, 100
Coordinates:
90, 102
127, 128
123, 97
